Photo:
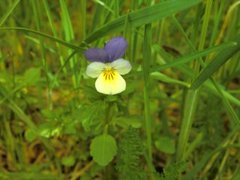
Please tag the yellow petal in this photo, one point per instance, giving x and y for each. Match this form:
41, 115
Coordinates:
110, 82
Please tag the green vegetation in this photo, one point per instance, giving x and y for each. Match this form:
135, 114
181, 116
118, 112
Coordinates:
179, 117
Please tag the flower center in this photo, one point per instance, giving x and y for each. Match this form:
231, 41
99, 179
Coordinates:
109, 73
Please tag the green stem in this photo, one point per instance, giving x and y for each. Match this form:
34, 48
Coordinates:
37, 14
146, 68
108, 114
191, 98
188, 114
54, 31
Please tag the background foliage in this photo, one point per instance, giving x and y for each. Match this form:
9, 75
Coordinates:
178, 118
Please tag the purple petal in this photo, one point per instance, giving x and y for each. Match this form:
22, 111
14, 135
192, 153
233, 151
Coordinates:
96, 54
115, 48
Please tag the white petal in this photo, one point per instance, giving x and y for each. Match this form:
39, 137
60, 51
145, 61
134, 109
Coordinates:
110, 86
122, 66
95, 69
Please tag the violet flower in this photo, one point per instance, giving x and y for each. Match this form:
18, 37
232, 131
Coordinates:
108, 66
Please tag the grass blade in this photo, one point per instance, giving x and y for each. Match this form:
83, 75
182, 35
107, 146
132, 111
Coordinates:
221, 58
146, 68
26, 30
142, 17
189, 111
194, 56
9, 11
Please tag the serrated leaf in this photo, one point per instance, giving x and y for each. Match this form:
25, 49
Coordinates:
90, 115
166, 145
103, 148
133, 121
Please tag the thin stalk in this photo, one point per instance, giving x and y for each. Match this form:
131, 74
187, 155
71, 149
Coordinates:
37, 19
191, 98
204, 30
9, 12
146, 68
226, 21
230, 111
54, 31
205, 24
9, 139
190, 105
224, 160
83, 17
216, 155
69, 36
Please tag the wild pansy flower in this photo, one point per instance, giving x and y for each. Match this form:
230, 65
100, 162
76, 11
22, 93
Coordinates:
107, 66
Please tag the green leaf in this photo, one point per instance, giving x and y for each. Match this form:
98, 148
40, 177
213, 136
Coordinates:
32, 76
166, 145
90, 115
133, 121
68, 160
142, 17
30, 135
103, 148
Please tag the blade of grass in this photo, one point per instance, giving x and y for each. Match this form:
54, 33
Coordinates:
227, 19
226, 156
220, 91
83, 31
148, 119
194, 56
36, 15
208, 156
190, 105
223, 146
226, 94
164, 78
104, 5
69, 36
230, 111
97, 17
54, 31
83, 14
219, 9
221, 58
187, 71
26, 30
9, 12
191, 98
142, 17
